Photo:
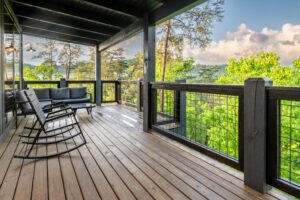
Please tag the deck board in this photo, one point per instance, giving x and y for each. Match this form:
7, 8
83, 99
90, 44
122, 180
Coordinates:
119, 161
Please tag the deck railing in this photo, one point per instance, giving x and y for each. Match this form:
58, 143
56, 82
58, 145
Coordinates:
120, 91
211, 119
127, 92
206, 117
284, 138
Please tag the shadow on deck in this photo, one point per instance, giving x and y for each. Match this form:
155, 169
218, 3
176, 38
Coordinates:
120, 161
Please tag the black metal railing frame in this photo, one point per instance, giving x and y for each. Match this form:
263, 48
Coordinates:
273, 109
232, 90
275, 96
117, 91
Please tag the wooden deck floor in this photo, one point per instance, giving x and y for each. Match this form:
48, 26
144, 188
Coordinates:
118, 162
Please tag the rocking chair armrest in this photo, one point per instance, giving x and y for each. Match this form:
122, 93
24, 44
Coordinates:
21, 102
57, 111
55, 105
59, 117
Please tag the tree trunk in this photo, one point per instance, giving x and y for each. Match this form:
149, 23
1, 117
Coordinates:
68, 64
166, 45
51, 60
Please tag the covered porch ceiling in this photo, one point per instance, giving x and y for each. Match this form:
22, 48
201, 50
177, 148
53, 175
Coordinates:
92, 22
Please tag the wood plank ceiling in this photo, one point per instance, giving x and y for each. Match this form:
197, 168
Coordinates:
80, 21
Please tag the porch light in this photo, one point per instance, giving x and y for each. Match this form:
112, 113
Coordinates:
30, 49
10, 48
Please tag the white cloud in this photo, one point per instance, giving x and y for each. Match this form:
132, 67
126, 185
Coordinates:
244, 42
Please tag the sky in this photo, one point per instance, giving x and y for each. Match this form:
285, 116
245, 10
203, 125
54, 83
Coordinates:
248, 26
36, 41
252, 26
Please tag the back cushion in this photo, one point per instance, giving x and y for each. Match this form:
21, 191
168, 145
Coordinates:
60, 93
78, 93
42, 93
21, 97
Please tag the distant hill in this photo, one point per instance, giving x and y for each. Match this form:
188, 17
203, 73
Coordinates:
61, 69
206, 73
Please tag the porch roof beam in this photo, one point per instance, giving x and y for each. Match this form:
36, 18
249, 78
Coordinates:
168, 10
119, 7
62, 30
67, 22
59, 8
58, 36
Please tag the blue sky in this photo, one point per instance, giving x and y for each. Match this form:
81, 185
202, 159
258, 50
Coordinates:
257, 14
253, 26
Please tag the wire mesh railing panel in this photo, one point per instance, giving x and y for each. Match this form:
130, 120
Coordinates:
129, 93
165, 107
108, 92
289, 141
209, 120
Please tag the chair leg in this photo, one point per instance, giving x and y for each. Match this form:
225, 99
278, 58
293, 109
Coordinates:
34, 141
80, 130
31, 129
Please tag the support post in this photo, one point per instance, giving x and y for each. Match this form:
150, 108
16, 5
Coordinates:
98, 77
21, 79
180, 107
149, 72
255, 109
63, 83
139, 94
1, 67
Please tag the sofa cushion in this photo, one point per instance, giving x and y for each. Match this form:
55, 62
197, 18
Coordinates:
21, 97
78, 93
70, 101
42, 93
45, 103
60, 93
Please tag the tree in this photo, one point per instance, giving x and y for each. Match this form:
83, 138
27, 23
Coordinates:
194, 26
69, 56
85, 70
113, 63
260, 65
48, 54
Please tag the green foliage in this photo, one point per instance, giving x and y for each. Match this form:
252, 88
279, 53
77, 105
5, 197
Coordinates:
261, 65
41, 72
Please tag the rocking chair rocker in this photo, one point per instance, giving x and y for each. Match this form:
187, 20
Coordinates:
41, 124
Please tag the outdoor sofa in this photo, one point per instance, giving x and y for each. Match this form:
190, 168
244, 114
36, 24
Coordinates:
48, 96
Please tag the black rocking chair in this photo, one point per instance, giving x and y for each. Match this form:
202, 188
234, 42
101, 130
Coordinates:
41, 124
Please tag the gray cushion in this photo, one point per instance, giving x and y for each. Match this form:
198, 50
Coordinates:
42, 93
25, 107
45, 103
77, 93
70, 101
60, 93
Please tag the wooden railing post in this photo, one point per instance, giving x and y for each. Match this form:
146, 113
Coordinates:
139, 94
63, 83
180, 107
255, 118
118, 92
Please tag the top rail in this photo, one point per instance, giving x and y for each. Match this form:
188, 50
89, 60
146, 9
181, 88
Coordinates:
287, 93
205, 88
